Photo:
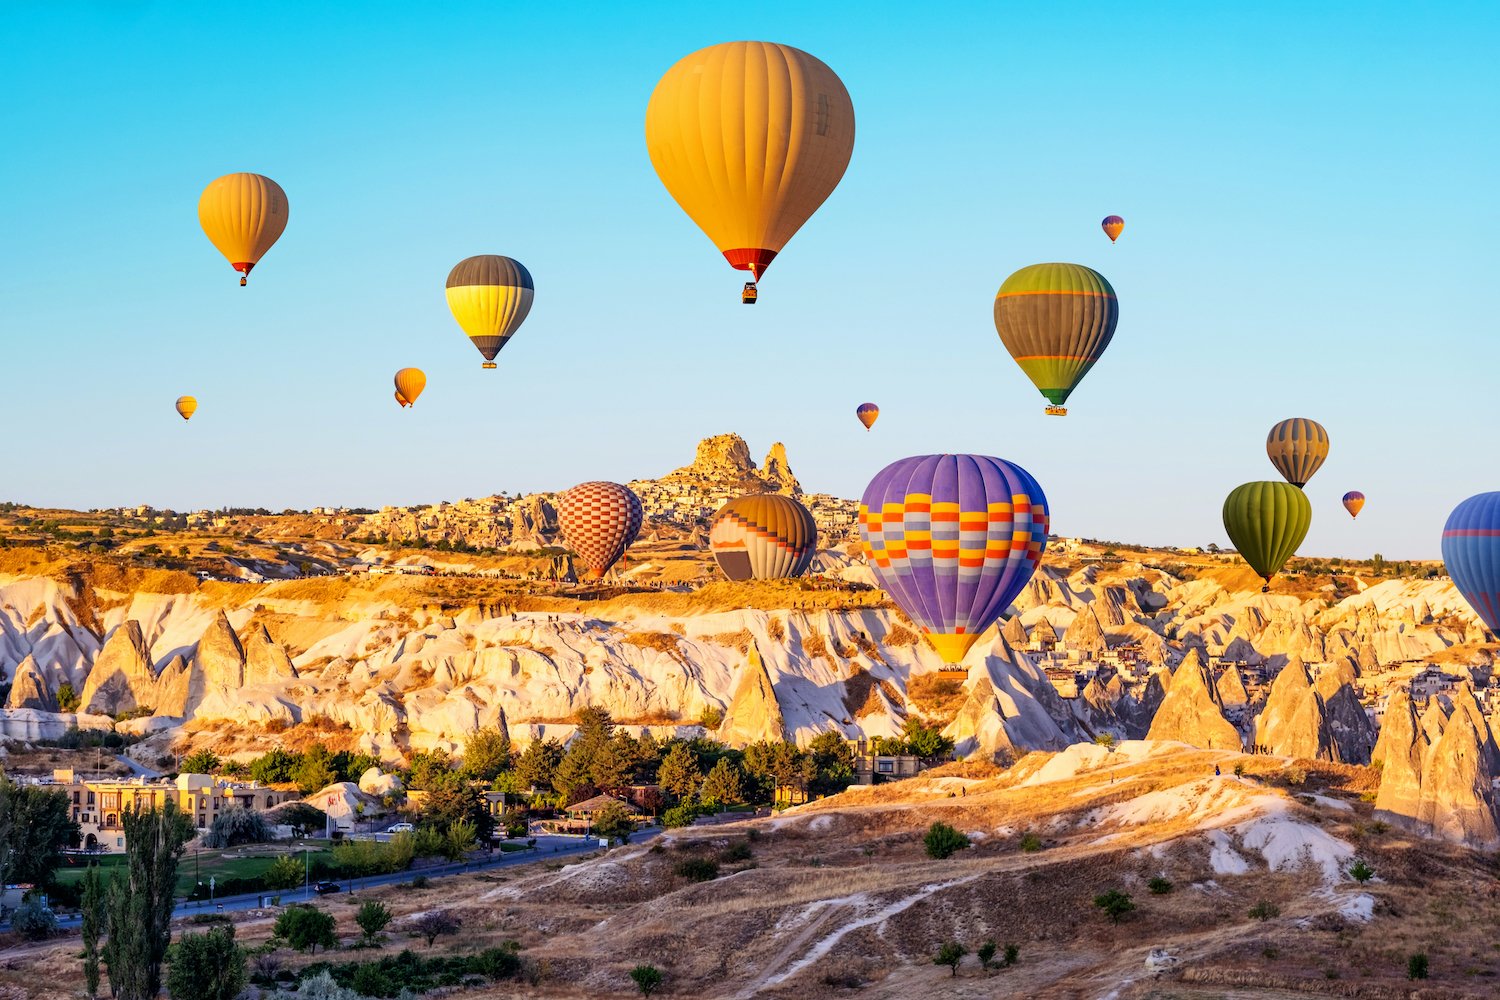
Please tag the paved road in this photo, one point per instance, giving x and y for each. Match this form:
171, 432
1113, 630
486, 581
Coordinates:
137, 768
546, 847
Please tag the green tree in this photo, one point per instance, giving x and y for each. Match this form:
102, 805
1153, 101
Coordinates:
451, 800
1416, 966
487, 754
140, 900
1361, 872
301, 817
315, 772
275, 767
833, 763
723, 786
200, 762
208, 966
286, 872
941, 840
986, 953
34, 920
538, 763
68, 699
373, 918
92, 911
950, 955
39, 827
460, 839
1114, 903
304, 927
647, 978
613, 822
924, 740
237, 826
678, 774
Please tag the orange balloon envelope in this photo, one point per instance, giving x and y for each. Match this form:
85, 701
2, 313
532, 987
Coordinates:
186, 407
243, 215
867, 412
1113, 226
1354, 502
750, 138
409, 385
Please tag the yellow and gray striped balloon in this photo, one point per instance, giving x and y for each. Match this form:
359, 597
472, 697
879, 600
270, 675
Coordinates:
1297, 447
490, 297
763, 536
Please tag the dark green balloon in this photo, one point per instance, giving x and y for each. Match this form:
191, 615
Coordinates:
1266, 522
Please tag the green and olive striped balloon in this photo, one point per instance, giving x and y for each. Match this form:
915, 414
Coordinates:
1056, 320
1266, 522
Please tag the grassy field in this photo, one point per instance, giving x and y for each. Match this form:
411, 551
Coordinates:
207, 864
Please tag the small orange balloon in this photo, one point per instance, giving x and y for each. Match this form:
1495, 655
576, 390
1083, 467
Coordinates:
186, 407
409, 385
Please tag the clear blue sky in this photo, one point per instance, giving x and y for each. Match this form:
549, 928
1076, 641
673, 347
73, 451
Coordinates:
1311, 219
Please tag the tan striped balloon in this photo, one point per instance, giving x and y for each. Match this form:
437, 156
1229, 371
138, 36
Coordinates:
1297, 447
763, 536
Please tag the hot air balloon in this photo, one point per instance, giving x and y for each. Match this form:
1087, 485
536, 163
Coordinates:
243, 215
1056, 320
1297, 447
867, 414
490, 296
750, 138
401, 400
763, 536
186, 407
599, 520
1354, 502
1266, 522
953, 539
409, 385
1471, 552
1113, 226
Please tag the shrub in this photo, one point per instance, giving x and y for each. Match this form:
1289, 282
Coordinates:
33, 920
1011, 954
698, 869
498, 963
372, 918
647, 978
950, 955
1159, 886
737, 851
434, 923
1361, 872
1416, 966
1265, 910
942, 840
1030, 842
680, 815
986, 953
420, 882
1115, 904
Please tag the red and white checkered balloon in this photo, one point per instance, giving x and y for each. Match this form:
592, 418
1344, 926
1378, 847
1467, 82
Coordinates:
599, 521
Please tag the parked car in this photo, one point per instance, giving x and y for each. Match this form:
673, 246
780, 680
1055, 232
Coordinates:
399, 828
324, 888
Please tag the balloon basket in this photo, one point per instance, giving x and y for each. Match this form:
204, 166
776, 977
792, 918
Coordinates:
488, 364
750, 294
1057, 411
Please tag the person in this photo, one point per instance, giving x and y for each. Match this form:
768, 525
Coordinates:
1216, 770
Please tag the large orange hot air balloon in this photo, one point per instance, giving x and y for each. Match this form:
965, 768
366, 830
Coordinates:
750, 138
243, 215
409, 385
186, 407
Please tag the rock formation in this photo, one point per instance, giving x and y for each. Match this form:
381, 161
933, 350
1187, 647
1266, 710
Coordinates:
121, 679
1014, 632
265, 660
219, 662
173, 688
1294, 723
1348, 723
979, 727
1086, 635
1191, 714
29, 689
1457, 801
1230, 688
1399, 753
753, 714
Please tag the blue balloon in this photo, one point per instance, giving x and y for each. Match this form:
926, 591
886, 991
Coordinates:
1471, 550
